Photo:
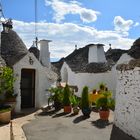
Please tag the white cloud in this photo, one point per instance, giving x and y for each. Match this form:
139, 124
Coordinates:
136, 24
122, 25
62, 9
65, 36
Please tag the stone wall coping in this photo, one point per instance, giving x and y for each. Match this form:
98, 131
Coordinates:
130, 66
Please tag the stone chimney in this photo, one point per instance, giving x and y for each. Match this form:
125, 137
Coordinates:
44, 53
96, 53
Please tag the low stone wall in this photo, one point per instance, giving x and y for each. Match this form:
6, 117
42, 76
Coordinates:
127, 111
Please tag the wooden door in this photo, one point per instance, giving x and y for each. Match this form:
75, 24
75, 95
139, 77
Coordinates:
27, 88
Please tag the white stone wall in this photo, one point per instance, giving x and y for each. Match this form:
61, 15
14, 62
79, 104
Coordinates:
70, 74
41, 81
127, 111
91, 80
125, 58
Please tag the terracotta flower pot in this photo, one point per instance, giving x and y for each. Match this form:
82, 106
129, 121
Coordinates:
67, 109
75, 110
5, 117
104, 115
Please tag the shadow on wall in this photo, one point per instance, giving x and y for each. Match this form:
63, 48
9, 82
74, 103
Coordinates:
118, 134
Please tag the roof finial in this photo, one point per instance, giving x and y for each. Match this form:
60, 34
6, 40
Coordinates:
75, 47
110, 46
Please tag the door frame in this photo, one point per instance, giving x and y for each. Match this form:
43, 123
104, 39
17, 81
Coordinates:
33, 72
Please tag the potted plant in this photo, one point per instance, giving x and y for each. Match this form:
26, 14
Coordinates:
66, 99
85, 104
6, 88
56, 97
75, 104
104, 104
7, 80
5, 113
102, 87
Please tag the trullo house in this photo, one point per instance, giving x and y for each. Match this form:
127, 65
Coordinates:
32, 70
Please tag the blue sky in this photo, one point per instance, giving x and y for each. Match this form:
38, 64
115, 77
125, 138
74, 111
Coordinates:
70, 22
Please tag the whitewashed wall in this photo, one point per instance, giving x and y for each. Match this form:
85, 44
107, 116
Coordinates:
125, 58
127, 111
41, 81
91, 80
70, 74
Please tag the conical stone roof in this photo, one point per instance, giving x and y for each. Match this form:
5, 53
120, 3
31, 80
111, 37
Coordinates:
135, 49
136, 42
33, 49
2, 62
12, 47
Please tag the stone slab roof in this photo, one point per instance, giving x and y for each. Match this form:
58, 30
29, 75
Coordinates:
78, 60
35, 51
12, 47
2, 62
114, 54
135, 49
134, 52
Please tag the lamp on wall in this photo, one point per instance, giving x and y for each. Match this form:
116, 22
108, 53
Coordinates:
31, 61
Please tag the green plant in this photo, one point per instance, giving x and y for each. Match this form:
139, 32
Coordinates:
56, 94
85, 105
105, 102
85, 98
75, 100
67, 94
2, 110
6, 80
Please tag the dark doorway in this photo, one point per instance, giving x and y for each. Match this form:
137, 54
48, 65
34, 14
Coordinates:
27, 88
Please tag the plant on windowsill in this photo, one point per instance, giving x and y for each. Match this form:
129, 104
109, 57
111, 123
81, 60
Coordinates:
104, 104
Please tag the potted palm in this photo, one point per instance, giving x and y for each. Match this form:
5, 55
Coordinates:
75, 104
66, 99
85, 104
104, 104
56, 97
